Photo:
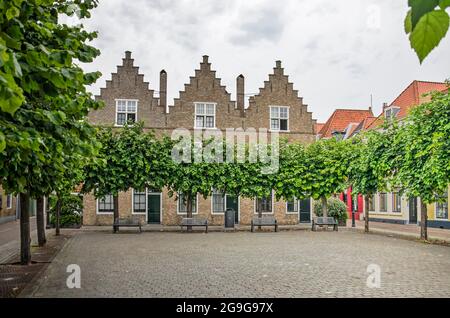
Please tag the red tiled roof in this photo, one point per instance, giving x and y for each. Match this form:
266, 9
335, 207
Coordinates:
366, 122
341, 118
410, 97
318, 127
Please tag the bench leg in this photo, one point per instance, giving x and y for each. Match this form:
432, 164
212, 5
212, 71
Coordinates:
251, 229
206, 231
276, 227
140, 229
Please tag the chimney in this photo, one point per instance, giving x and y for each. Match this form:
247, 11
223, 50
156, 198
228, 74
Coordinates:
163, 89
128, 55
385, 105
240, 92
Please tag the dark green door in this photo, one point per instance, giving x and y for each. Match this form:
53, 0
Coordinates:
154, 208
305, 211
233, 203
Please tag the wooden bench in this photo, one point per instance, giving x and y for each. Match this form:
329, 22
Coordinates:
264, 221
324, 221
194, 222
127, 222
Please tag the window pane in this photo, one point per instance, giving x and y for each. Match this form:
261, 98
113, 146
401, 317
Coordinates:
199, 121
106, 204
284, 124
131, 118
383, 202
210, 121
283, 112
292, 206
396, 202
275, 124
182, 205
121, 118
442, 208
132, 106
199, 109
139, 201
274, 112
210, 109
264, 205
121, 106
218, 202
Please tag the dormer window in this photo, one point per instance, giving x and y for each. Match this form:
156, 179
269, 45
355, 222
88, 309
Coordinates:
205, 115
391, 112
126, 111
279, 118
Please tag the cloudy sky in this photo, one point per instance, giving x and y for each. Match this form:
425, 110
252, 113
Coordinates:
337, 53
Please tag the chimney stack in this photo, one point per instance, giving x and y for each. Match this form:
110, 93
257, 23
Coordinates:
127, 55
163, 89
385, 105
240, 92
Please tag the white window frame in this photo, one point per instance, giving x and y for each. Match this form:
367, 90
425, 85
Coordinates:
297, 201
390, 109
9, 199
204, 114
266, 213
225, 198
278, 118
132, 202
104, 213
185, 213
436, 210
126, 111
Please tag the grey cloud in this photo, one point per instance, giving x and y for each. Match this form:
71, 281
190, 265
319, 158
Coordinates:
261, 25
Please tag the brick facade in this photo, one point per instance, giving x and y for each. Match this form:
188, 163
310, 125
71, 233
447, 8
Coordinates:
7, 213
204, 87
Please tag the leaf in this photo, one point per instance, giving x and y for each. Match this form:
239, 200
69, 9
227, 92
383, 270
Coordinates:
430, 30
17, 68
443, 4
408, 24
419, 8
12, 13
2, 142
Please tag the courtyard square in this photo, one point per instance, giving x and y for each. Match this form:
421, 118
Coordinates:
265, 264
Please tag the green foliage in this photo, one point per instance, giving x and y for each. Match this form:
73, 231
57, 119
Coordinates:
44, 133
424, 146
336, 209
128, 158
427, 23
71, 210
327, 162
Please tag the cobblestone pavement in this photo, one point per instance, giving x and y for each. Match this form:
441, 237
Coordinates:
284, 264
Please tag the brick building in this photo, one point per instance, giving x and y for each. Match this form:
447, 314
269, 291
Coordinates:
8, 204
203, 104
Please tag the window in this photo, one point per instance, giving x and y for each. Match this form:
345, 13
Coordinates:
139, 201
218, 202
9, 201
205, 115
383, 202
264, 205
396, 202
126, 111
391, 112
279, 118
292, 206
442, 208
182, 204
106, 204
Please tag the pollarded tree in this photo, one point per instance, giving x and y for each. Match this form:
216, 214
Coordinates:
128, 158
424, 168
293, 180
370, 165
327, 162
43, 97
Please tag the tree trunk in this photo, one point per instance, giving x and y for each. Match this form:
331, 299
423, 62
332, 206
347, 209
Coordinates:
366, 216
423, 221
189, 209
324, 206
57, 216
25, 240
116, 211
47, 214
40, 226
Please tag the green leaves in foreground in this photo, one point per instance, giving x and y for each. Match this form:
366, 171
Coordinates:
427, 23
